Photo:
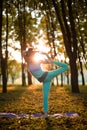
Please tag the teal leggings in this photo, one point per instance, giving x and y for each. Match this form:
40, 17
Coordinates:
47, 81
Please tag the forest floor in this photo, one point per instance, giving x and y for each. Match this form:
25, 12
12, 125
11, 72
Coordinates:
29, 100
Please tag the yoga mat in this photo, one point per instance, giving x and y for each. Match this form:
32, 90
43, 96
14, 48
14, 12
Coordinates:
38, 115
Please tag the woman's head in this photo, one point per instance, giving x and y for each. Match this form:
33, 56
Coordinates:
28, 52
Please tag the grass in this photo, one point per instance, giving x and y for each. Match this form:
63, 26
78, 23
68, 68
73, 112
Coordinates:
29, 100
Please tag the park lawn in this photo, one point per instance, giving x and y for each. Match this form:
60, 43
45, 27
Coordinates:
28, 100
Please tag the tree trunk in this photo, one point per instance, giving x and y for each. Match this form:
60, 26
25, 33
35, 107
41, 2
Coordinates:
21, 21
67, 75
23, 76
29, 78
70, 41
81, 68
12, 79
61, 79
57, 80
0, 31
4, 75
4, 71
3, 60
74, 75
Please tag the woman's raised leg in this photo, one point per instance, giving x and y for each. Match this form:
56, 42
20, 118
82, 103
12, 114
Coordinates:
51, 74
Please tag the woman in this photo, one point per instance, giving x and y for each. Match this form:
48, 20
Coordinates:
43, 76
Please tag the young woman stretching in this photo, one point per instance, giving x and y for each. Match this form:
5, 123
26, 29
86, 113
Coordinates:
43, 76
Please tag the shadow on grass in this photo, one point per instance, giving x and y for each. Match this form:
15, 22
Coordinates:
48, 124
13, 92
78, 100
11, 100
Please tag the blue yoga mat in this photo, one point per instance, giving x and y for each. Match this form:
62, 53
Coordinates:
37, 115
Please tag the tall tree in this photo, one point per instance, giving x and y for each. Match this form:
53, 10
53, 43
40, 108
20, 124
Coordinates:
69, 34
23, 26
3, 57
1, 3
14, 69
81, 23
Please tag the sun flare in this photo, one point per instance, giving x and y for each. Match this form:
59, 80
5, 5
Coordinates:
39, 57
41, 46
15, 55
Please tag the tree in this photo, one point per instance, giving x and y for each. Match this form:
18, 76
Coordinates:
14, 69
21, 30
3, 58
80, 23
1, 3
69, 34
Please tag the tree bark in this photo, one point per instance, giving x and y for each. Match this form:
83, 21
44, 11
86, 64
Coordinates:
61, 79
23, 75
3, 61
4, 75
21, 21
29, 78
70, 41
67, 75
74, 75
1, 31
81, 71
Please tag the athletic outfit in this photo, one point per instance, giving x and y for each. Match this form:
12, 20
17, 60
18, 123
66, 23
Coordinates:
46, 78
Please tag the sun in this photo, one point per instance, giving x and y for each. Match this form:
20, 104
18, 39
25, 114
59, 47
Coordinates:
41, 47
40, 57
16, 55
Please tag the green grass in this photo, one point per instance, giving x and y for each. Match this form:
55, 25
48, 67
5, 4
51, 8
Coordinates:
29, 100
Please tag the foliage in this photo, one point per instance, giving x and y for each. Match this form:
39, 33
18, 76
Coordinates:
29, 100
14, 69
27, 18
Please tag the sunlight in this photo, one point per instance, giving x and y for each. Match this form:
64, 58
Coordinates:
61, 57
39, 57
14, 50
14, 54
41, 47
17, 56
